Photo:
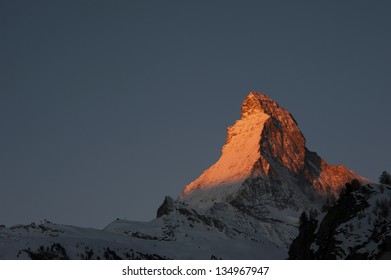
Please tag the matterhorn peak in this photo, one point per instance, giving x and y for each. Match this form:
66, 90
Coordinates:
257, 102
252, 104
265, 145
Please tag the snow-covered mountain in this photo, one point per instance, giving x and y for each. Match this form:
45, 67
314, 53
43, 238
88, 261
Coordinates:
266, 174
246, 206
265, 144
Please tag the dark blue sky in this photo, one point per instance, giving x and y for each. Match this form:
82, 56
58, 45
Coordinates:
107, 106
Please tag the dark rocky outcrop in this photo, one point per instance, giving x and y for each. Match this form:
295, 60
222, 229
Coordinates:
166, 208
300, 248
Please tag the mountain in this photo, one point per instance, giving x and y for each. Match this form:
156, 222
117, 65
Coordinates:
265, 144
265, 174
246, 206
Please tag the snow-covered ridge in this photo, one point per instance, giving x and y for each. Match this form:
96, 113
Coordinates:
239, 155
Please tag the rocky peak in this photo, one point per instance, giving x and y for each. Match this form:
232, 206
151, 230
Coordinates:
266, 143
258, 102
166, 208
252, 104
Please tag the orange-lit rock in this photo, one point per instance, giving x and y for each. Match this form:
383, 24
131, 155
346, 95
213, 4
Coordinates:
265, 144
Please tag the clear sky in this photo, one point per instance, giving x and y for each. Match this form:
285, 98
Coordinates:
108, 106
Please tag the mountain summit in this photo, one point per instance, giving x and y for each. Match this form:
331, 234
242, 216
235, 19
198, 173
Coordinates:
266, 145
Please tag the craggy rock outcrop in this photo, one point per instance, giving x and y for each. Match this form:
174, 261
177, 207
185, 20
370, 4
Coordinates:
166, 208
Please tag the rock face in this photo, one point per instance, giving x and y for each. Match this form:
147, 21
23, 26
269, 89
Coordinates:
166, 208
